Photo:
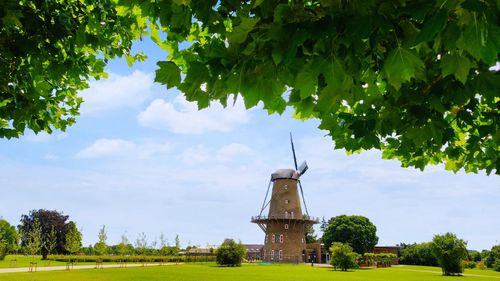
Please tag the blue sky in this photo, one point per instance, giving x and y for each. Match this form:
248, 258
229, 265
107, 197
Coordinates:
142, 159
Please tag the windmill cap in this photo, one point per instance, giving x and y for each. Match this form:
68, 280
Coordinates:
284, 174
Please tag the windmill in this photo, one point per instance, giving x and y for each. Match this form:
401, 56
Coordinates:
284, 226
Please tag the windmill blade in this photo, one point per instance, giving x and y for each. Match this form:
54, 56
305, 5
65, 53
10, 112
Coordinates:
303, 168
293, 150
303, 199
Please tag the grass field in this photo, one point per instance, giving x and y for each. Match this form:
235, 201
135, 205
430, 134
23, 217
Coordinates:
189, 272
12, 261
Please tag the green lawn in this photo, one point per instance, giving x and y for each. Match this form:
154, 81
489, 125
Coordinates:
24, 261
248, 272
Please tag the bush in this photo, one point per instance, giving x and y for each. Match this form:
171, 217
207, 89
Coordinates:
450, 253
129, 259
418, 254
496, 265
342, 256
470, 264
480, 265
230, 253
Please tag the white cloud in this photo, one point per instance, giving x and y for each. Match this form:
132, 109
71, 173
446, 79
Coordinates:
195, 155
200, 154
183, 117
232, 151
117, 92
122, 148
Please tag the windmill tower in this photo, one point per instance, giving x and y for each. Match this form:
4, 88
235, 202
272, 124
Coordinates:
285, 224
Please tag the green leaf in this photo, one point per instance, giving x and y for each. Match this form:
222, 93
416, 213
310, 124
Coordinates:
240, 32
401, 66
432, 27
457, 65
168, 74
307, 79
473, 38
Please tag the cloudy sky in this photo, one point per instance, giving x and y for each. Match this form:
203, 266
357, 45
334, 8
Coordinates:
142, 159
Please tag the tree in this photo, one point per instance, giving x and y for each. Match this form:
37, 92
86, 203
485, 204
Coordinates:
73, 239
450, 253
8, 238
357, 231
48, 51
492, 255
230, 253
51, 241
100, 247
123, 247
409, 78
34, 241
310, 236
141, 244
48, 220
418, 254
342, 256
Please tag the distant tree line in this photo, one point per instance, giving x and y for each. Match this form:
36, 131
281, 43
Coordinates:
49, 232
351, 239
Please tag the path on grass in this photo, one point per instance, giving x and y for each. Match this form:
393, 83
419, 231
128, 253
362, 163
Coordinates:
63, 267
464, 274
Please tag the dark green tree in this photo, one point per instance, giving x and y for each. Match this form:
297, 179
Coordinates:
230, 253
410, 78
491, 256
450, 253
357, 231
8, 238
342, 256
418, 254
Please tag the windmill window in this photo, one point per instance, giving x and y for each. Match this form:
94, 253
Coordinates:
285, 186
286, 226
291, 214
287, 201
273, 238
281, 238
302, 240
272, 254
280, 254
266, 239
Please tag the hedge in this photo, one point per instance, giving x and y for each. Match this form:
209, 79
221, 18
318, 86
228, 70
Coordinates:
129, 259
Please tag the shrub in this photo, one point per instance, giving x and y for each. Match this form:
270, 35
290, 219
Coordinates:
450, 253
342, 256
230, 253
496, 265
470, 264
418, 254
480, 265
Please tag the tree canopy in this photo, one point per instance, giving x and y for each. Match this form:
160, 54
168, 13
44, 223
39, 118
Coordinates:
410, 78
49, 221
230, 253
357, 231
8, 238
342, 256
450, 252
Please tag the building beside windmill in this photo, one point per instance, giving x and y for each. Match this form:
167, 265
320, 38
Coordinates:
285, 224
